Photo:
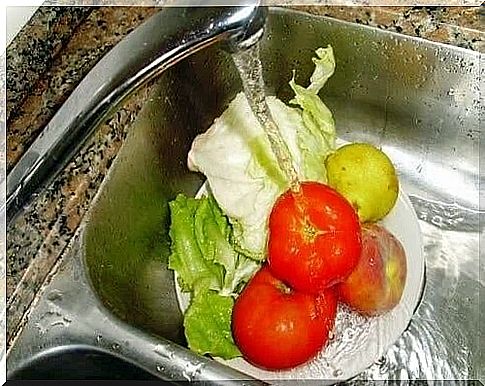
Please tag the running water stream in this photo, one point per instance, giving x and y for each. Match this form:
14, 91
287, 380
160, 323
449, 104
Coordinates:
250, 70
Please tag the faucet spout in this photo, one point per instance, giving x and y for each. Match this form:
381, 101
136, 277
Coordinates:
162, 41
253, 19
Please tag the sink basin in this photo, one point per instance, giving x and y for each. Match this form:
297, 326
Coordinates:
417, 100
79, 362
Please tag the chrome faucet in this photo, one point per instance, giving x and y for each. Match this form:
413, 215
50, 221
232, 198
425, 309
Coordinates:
163, 40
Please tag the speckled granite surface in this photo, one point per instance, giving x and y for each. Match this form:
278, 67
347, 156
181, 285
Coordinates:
31, 53
37, 239
101, 30
77, 40
459, 26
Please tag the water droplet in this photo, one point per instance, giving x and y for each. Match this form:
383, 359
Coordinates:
337, 372
160, 368
116, 346
64, 321
437, 220
55, 295
192, 370
41, 328
99, 338
164, 352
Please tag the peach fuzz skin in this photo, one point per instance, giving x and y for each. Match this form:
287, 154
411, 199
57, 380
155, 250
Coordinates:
377, 283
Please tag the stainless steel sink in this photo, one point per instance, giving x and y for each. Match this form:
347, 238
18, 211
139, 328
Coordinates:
80, 362
419, 101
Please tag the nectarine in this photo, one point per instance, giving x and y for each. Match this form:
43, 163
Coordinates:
377, 283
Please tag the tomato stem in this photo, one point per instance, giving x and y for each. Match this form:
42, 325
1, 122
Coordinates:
284, 288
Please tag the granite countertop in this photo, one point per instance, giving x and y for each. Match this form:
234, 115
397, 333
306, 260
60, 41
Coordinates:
51, 55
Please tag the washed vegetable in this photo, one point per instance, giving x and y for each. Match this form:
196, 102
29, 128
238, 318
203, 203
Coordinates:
207, 324
377, 283
366, 177
276, 327
210, 269
314, 238
250, 180
202, 254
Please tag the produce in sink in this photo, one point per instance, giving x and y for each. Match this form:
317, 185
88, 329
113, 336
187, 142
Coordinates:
377, 283
276, 327
314, 238
263, 263
366, 177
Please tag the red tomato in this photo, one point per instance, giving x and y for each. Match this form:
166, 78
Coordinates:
314, 238
276, 327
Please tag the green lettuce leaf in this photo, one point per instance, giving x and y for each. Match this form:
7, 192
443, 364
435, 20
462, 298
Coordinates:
236, 157
194, 270
207, 324
209, 267
316, 116
202, 253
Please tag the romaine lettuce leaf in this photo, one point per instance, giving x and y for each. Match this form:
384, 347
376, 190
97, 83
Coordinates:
317, 118
202, 254
236, 157
194, 270
207, 266
207, 324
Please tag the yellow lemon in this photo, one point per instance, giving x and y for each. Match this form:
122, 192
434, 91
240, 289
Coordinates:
366, 177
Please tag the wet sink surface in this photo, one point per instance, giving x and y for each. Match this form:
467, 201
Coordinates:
80, 362
419, 101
